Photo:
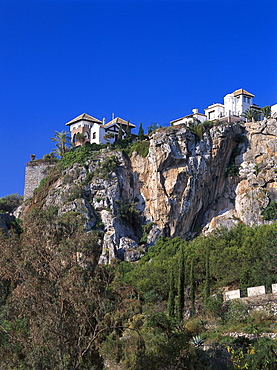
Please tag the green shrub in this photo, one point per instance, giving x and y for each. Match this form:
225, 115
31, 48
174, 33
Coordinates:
270, 212
107, 167
232, 170
81, 154
141, 147
10, 202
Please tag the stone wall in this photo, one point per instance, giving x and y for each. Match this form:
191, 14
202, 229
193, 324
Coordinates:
35, 171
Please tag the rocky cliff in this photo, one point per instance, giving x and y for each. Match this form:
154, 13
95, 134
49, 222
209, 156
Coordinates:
187, 182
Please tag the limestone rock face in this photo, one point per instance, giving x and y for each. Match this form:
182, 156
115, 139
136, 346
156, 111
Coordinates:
182, 182
257, 181
179, 188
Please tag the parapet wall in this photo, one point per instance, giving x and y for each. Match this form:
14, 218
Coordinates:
35, 171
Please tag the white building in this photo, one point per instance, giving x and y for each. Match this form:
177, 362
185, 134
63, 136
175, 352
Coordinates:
190, 118
234, 105
96, 131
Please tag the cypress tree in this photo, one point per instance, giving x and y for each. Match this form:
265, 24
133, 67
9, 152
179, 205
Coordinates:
141, 132
120, 132
207, 290
181, 286
171, 296
192, 288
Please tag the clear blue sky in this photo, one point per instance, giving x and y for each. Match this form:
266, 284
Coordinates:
147, 61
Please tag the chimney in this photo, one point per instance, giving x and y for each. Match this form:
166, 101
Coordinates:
104, 121
112, 116
195, 110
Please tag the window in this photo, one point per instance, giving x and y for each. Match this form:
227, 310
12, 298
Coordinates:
94, 135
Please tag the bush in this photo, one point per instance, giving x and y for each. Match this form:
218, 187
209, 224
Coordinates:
141, 147
81, 154
9, 203
108, 165
270, 212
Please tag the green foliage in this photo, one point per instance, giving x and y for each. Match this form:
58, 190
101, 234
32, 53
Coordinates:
141, 133
251, 114
63, 142
266, 111
81, 155
171, 296
130, 214
192, 288
153, 127
207, 289
181, 286
145, 231
197, 130
9, 203
141, 147
107, 167
270, 212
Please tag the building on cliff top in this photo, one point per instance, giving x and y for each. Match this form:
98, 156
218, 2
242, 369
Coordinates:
235, 104
96, 131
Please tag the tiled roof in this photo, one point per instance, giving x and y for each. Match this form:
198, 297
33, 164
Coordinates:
118, 121
84, 117
242, 92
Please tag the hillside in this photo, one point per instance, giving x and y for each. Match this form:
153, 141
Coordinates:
183, 182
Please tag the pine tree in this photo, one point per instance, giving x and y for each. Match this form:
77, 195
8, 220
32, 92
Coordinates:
141, 132
207, 288
181, 286
171, 296
192, 288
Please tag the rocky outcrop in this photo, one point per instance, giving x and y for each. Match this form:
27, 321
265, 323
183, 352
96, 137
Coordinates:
257, 181
180, 187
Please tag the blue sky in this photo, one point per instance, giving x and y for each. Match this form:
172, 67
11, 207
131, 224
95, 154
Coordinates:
147, 61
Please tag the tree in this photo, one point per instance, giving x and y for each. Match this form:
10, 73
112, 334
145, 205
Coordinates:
154, 126
9, 203
171, 296
192, 288
63, 142
141, 132
120, 132
108, 136
251, 115
207, 288
181, 286
81, 138
266, 111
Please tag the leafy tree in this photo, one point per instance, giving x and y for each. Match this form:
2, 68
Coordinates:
63, 142
9, 203
141, 132
154, 126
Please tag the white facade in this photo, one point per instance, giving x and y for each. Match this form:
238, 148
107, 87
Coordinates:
190, 118
95, 130
214, 111
234, 105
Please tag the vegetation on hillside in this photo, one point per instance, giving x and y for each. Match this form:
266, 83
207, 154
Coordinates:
60, 310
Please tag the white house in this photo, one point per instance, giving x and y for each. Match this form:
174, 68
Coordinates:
190, 118
95, 131
234, 105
